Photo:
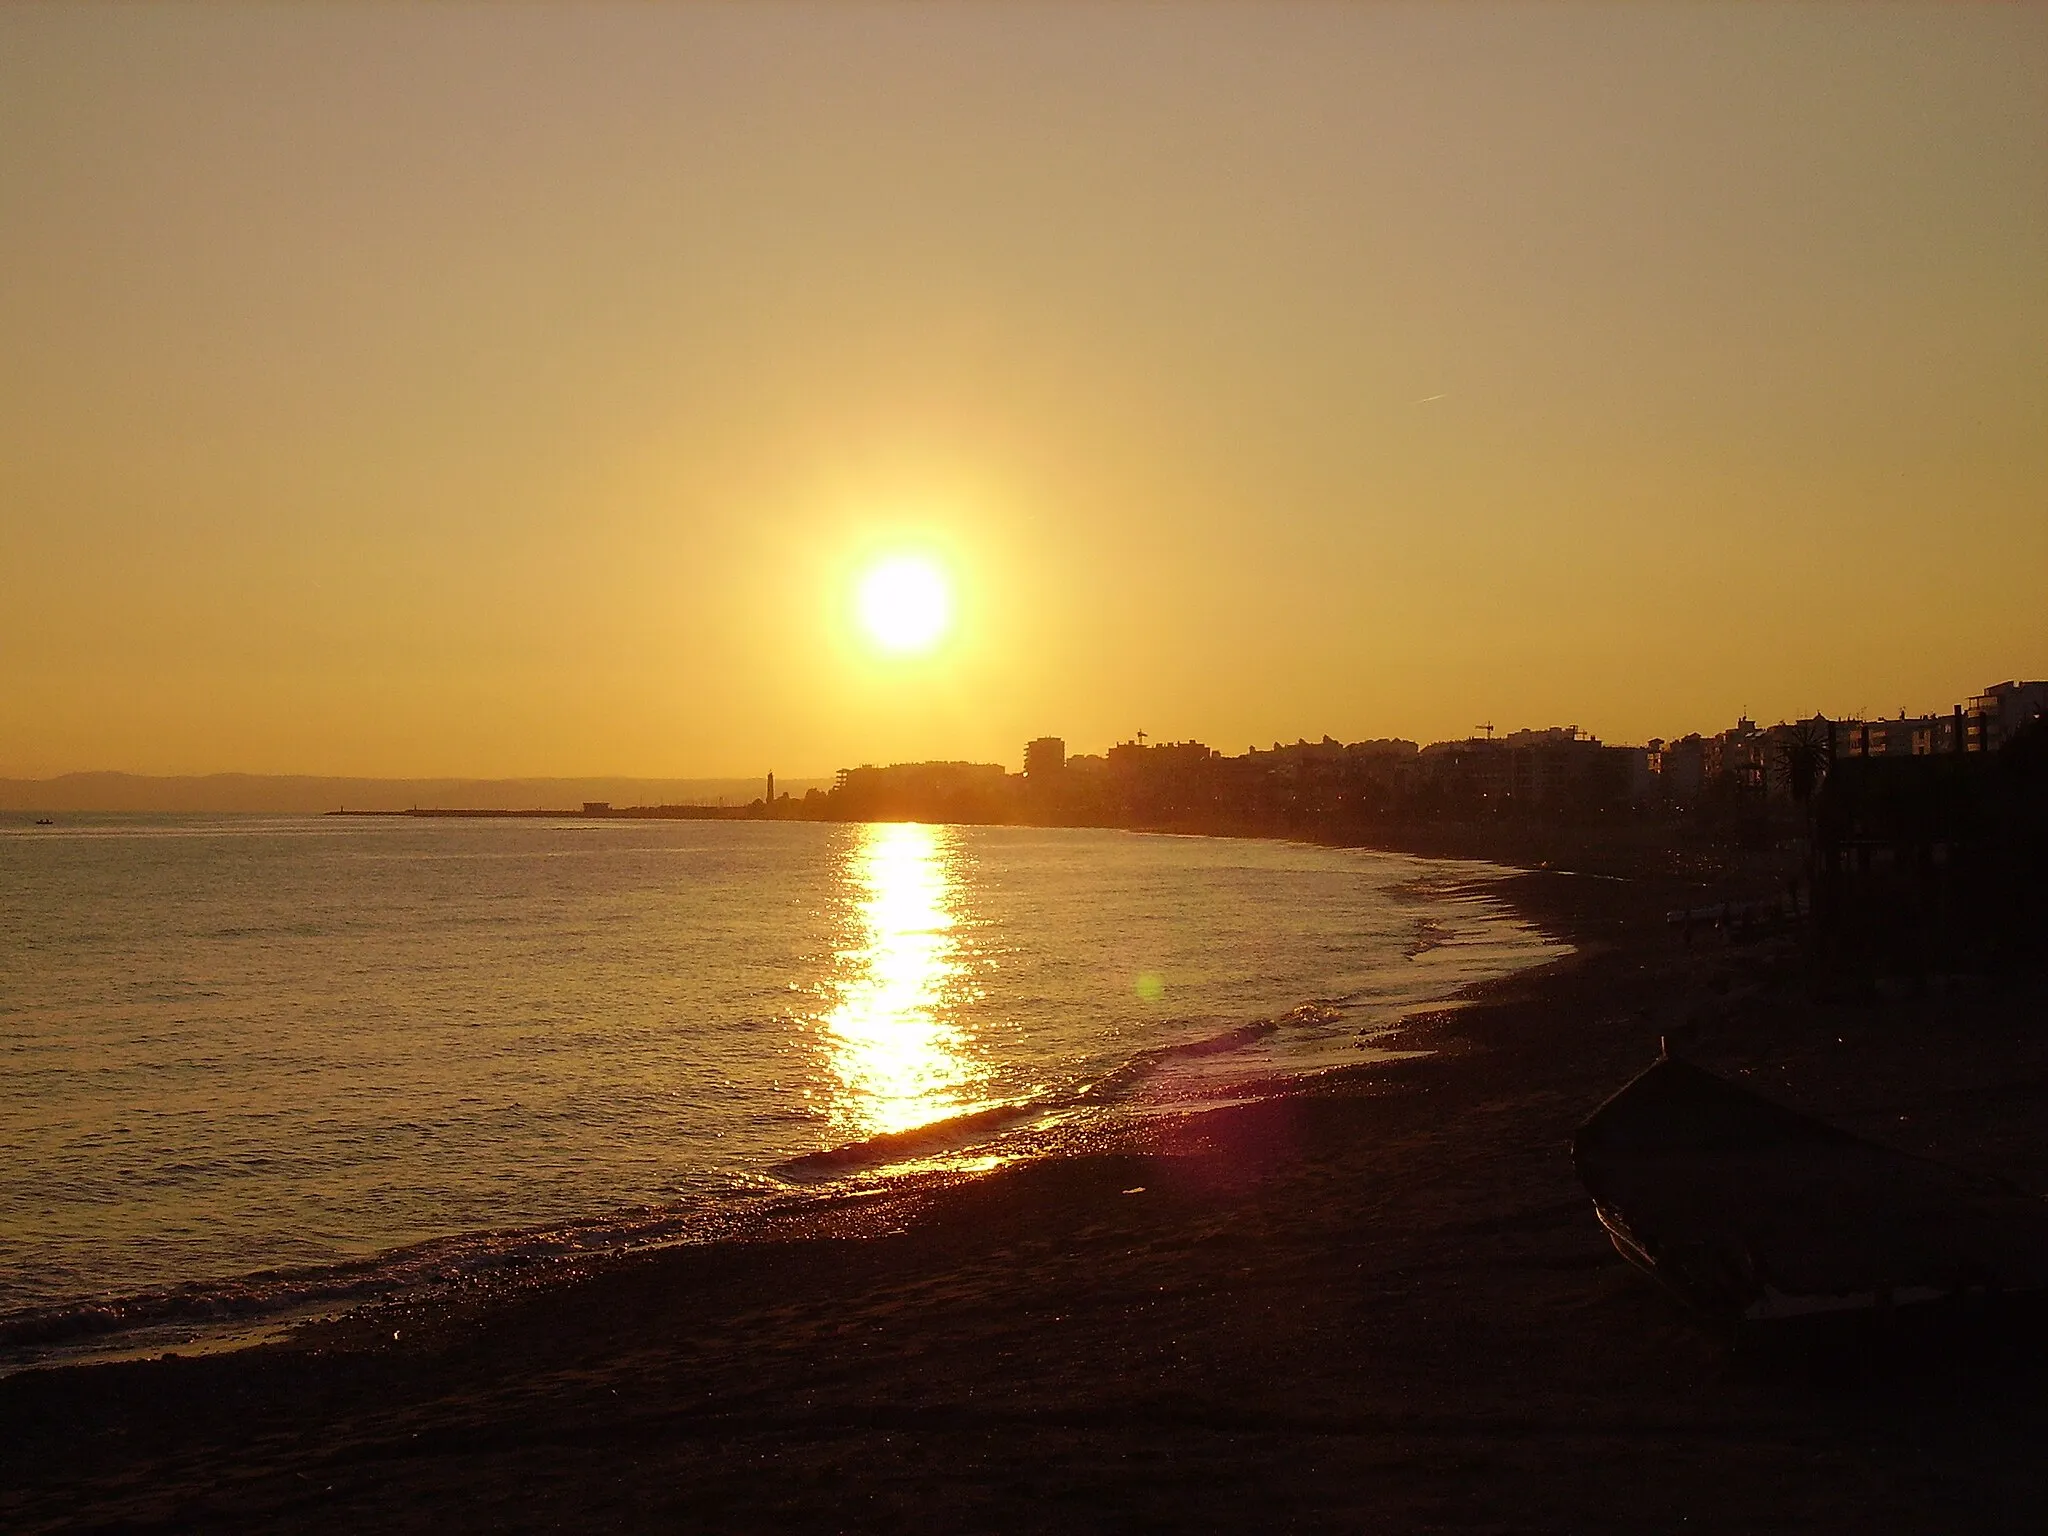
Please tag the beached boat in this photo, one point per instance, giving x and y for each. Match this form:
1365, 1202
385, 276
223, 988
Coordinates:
1746, 1210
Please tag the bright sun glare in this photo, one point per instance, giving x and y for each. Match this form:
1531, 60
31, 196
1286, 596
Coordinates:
905, 605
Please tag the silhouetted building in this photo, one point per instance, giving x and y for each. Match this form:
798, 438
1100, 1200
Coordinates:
1907, 736
1045, 757
1168, 781
1998, 713
1381, 747
1682, 769
1644, 787
1936, 859
1735, 759
941, 791
1732, 783
1476, 771
1991, 719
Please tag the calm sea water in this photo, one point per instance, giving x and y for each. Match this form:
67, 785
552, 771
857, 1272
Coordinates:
243, 1060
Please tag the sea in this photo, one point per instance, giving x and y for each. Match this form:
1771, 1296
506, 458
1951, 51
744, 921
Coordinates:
255, 1068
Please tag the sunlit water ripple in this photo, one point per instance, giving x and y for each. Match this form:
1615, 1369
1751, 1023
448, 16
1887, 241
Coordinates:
244, 1044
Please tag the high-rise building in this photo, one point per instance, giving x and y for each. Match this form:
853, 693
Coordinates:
1044, 757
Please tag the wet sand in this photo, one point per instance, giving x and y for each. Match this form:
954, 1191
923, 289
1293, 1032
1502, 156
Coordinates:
1378, 1303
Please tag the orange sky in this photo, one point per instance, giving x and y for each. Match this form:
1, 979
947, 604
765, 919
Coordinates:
519, 390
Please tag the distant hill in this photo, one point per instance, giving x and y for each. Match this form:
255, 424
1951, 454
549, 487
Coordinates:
305, 793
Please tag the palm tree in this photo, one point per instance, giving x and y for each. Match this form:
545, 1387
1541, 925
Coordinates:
1805, 753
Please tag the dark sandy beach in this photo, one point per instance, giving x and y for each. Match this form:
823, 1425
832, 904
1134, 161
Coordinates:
1379, 1303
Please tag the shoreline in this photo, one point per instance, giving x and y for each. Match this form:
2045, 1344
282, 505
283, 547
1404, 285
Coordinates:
1381, 1299
221, 1313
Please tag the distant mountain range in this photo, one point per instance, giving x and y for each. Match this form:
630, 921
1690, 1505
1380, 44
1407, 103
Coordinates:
310, 794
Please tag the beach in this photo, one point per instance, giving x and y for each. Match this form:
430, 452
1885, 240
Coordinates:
1379, 1301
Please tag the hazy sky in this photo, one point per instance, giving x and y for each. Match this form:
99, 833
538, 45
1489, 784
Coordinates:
404, 390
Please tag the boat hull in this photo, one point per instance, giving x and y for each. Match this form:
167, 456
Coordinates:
1745, 1210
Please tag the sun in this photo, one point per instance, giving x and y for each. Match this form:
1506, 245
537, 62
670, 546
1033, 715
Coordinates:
905, 604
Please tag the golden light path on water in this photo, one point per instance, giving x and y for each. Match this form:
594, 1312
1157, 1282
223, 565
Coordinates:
899, 1056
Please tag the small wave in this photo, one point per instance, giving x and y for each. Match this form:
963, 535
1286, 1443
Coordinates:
1429, 934
929, 1140
206, 1305
958, 1132
1315, 1013
1144, 1064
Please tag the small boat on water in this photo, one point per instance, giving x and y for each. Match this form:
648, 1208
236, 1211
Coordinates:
44, 821
1746, 1210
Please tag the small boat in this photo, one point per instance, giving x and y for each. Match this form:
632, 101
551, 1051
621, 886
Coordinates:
44, 821
1746, 1210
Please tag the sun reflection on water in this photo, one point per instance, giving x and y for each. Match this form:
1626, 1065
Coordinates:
898, 1056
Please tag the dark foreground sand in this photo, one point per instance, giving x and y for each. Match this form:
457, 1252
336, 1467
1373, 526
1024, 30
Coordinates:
1381, 1304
